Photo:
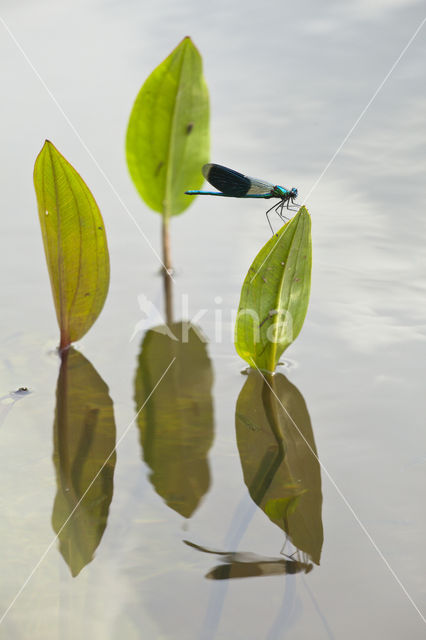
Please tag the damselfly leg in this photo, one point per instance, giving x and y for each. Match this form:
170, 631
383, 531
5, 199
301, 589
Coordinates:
278, 208
267, 216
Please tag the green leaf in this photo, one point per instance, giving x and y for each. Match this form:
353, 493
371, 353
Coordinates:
176, 423
168, 133
279, 459
275, 295
84, 457
74, 242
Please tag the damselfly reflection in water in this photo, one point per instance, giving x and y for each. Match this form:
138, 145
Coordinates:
238, 564
232, 184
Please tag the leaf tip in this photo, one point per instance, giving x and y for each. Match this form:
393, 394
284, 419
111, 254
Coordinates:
188, 41
47, 146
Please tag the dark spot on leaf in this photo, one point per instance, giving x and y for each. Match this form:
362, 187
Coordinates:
189, 127
159, 166
247, 422
87, 294
296, 279
100, 228
270, 315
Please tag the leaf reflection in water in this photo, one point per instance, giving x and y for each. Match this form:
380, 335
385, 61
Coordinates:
279, 461
84, 458
176, 424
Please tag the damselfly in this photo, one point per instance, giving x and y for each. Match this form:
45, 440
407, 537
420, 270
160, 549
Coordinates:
232, 184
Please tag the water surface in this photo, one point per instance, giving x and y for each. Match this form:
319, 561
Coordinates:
183, 535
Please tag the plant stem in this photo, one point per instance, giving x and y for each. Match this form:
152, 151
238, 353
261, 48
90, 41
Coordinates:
61, 423
167, 271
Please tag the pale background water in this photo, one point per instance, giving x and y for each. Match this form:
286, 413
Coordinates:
287, 82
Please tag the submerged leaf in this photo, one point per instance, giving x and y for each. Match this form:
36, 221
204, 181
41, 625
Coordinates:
74, 242
275, 295
168, 132
281, 508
